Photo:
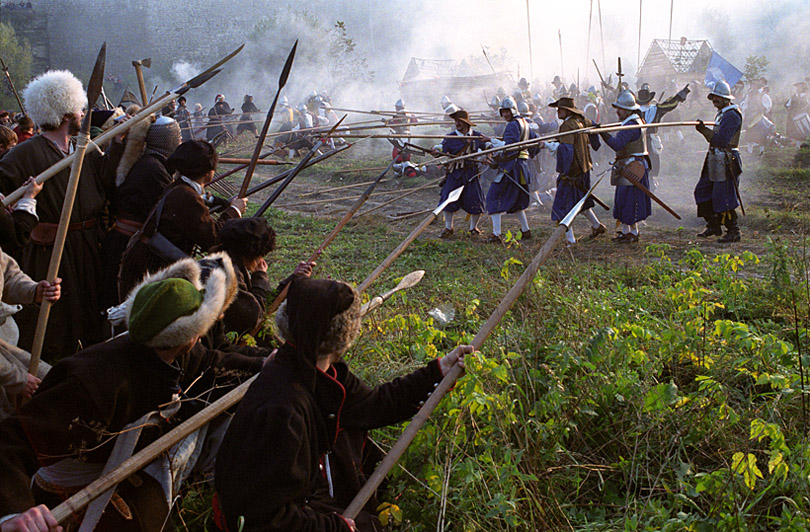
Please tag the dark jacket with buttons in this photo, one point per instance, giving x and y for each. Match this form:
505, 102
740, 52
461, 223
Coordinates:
272, 465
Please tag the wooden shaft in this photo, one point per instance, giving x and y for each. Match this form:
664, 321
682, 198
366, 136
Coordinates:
143, 114
59, 244
264, 162
590, 129
655, 198
406, 194
77, 502
141, 82
430, 405
240, 167
396, 253
344, 187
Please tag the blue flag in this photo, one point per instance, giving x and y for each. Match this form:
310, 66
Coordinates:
719, 69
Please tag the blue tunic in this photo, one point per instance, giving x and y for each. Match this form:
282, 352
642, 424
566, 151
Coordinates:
568, 194
630, 205
511, 193
722, 194
472, 197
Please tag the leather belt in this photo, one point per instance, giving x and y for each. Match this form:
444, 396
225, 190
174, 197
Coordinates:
44, 234
127, 227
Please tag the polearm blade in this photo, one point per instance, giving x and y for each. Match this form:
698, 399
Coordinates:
282, 80
143, 114
453, 196
331, 236
13, 88
412, 279
93, 91
276, 193
447, 382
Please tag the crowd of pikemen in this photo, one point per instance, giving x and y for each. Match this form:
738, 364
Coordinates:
151, 284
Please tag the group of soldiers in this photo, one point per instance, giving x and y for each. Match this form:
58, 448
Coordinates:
139, 325
634, 165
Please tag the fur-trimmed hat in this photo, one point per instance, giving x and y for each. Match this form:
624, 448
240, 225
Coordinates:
168, 314
52, 95
193, 158
320, 317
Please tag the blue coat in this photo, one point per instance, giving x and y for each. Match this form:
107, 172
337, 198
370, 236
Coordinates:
511, 193
467, 174
630, 205
568, 194
722, 194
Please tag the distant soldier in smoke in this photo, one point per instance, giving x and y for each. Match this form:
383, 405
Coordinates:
630, 204
717, 192
216, 117
509, 192
401, 125
183, 117
246, 122
574, 166
797, 108
652, 112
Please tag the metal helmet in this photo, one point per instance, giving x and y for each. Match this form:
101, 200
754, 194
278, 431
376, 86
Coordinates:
494, 102
627, 101
721, 89
446, 102
302, 107
400, 105
523, 83
523, 109
163, 136
450, 109
509, 103
284, 102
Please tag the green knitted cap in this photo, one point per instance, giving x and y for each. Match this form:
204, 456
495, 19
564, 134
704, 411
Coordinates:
157, 305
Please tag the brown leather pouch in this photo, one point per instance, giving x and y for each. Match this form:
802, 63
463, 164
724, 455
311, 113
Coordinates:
633, 171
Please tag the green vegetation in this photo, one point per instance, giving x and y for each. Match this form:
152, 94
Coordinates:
656, 388
17, 56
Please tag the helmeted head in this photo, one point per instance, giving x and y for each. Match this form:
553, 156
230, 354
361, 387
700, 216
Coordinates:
400, 105
494, 103
524, 110
557, 82
644, 94
721, 90
52, 96
284, 102
450, 109
175, 306
508, 104
626, 100
523, 83
198, 107
163, 136
446, 102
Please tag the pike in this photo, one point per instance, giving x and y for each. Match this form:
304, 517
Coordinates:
295, 171
331, 236
454, 196
604, 84
143, 114
412, 279
636, 181
273, 180
447, 382
93, 91
589, 129
11, 84
246, 162
405, 194
282, 80
620, 75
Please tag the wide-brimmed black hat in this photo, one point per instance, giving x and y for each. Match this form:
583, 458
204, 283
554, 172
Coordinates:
645, 95
193, 158
462, 115
567, 104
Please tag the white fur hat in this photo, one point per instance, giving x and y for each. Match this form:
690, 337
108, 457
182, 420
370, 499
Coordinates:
216, 280
52, 95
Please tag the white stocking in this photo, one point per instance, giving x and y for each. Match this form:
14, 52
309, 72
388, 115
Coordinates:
524, 222
496, 223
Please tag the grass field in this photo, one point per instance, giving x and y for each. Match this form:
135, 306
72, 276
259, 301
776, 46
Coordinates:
656, 386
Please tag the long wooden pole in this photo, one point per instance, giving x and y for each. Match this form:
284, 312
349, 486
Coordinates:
529, 29
447, 382
331, 236
282, 80
588, 45
93, 90
601, 32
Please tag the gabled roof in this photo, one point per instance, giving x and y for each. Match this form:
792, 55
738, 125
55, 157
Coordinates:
675, 56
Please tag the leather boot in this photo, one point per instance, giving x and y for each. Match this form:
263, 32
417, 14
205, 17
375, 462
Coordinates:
713, 226
732, 229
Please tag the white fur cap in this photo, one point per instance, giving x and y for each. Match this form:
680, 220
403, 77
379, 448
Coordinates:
219, 293
52, 95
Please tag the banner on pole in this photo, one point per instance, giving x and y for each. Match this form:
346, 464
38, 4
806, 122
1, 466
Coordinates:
720, 69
